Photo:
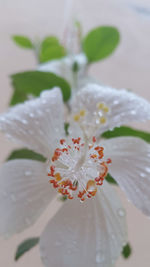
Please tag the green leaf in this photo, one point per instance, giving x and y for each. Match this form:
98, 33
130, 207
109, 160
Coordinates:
127, 131
126, 252
25, 154
66, 126
51, 49
50, 40
26, 246
34, 82
110, 179
23, 41
100, 42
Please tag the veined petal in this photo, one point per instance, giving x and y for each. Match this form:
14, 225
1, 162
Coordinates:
131, 168
37, 123
87, 234
105, 108
24, 194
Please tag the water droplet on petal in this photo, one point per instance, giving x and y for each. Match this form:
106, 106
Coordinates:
133, 112
31, 115
99, 257
24, 122
28, 173
147, 169
142, 174
121, 212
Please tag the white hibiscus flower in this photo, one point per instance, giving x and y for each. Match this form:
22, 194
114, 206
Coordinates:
91, 233
72, 68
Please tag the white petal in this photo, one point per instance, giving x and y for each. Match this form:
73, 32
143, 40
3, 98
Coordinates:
131, 168
24, 194
37, 123
124, 106
63, 67
87, 234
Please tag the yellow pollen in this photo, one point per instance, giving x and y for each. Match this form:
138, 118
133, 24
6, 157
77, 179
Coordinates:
76, 117
100, 105
106, 109
57, 176
102, 120
82, 112
91, 187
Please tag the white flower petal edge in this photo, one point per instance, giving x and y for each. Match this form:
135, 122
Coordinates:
88, 234
131, 168
36, 123
24, 194
64, 68
105, 108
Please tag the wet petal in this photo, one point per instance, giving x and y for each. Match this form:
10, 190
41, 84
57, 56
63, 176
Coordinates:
87, 234
24, 194
37, 123
131, 168
106, 108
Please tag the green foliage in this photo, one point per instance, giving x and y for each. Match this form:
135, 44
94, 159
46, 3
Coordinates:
34, 82
126, 252
25, 154
100, 42
22, 41
127, 131
110, 179
51, 49
66, 126
26, 246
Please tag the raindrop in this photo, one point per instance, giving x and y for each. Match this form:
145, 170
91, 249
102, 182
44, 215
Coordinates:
116, 102
24, 122
142, 174
44, 101
99, 257
28, 173
31, 115
133, 112
121, 212
147, 169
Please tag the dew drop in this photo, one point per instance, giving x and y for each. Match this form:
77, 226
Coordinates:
31, 115
147, 169
121, 212
142, 174
28, 173
99, 258
24, 122
116, 102
133, 112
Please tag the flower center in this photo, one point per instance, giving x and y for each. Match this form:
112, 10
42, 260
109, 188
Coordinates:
78, 168
90, 121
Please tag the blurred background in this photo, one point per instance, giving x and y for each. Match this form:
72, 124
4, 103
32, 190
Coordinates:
128, 67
